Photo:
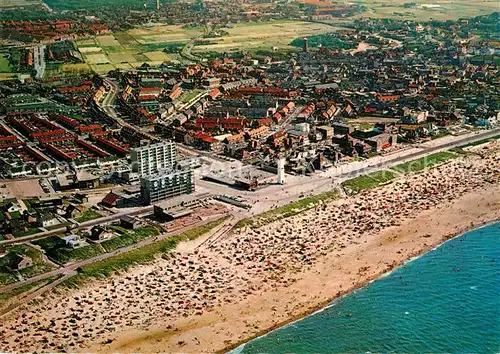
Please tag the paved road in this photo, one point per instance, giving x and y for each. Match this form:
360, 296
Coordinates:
186, 51
108, 102
310, 185
286, 124
389, 162
39, 61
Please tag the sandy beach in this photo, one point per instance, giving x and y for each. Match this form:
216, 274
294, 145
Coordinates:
215, 297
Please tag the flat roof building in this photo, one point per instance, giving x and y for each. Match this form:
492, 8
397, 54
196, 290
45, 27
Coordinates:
166, 184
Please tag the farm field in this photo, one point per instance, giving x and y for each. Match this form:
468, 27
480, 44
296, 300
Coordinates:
96, 58
132, 48
15, 3
160, 33
90, 4
156, 55
66, 70
261, 36
427, 9
102, 68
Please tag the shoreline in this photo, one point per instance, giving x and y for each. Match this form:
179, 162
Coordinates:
329, 303
233, 317
223, 295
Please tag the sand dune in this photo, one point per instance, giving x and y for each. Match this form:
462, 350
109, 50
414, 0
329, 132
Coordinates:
216, 296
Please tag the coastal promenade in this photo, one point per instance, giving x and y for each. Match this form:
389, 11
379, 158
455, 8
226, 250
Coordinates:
246, 283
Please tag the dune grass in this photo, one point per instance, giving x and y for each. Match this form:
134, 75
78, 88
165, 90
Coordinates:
424, 162
142, 255
288, 210
369, 181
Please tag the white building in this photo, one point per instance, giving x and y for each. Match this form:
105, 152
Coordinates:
150, 159
281, 170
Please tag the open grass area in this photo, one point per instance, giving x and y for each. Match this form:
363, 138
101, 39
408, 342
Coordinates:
95, 58
88, 215
30, 231
56, 250
4, 64
67, 255
92, 4
7, 76
162, 33
369, 181
424, 162
254, 36
141, 255
189, 95
129, 237
290, 209
102, 68
425, 10
156, 55
131, 48
9, 254
66, 70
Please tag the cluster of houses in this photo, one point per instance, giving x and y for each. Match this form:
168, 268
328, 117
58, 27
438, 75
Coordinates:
411, 81
21, 216
49, 31
100, 233
60, 121
401, 91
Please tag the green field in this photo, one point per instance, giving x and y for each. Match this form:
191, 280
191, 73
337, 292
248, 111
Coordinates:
31, 231
130, 49
255, 36
288, 210
129, 237
369, 181
425, 10
4, 64
67, 70
189, 95
39, 266
92, 4
141, 255
89, 214
424, 162
66, 255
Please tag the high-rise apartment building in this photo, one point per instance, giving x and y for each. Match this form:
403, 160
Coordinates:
166, 184
151, 159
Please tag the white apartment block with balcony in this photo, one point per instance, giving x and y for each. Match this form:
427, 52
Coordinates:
151, 159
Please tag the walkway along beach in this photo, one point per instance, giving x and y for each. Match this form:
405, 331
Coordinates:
222, 294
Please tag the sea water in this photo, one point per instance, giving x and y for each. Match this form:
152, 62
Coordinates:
447, 301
